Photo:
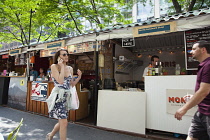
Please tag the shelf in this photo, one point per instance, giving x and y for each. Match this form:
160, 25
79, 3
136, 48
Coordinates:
120, 72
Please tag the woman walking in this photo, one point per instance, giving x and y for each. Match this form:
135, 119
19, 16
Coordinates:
59, 97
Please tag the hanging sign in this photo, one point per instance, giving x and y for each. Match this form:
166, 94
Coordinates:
39, 91
154, 29
192, 36
5, 56
47, 53
14, 52
54, 45
128, 42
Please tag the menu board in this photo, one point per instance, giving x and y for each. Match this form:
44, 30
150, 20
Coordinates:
191, 36
84, 47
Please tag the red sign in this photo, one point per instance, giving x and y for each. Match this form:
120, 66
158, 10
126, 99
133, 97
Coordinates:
5, 56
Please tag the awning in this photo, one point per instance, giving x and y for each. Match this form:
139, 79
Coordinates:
113, 34
194, 22
36, 48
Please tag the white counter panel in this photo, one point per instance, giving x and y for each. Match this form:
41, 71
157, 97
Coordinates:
122, 110
157, 118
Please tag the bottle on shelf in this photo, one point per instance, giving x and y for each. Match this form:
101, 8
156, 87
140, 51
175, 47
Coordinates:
160, 69
177, 69
48, 75
153, 71
149, 71
156, 69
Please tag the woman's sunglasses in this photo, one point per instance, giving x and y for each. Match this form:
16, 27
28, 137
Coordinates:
65, 54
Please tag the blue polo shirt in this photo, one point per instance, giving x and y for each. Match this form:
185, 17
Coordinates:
34, 73
203, 75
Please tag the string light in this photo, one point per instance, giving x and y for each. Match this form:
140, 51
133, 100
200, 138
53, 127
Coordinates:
160, 51
171, 52
139, 55
149, 55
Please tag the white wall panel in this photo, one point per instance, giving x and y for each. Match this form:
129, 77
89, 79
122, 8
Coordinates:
156, 117
122, 110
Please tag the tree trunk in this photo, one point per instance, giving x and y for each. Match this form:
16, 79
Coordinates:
177, 6
190, 8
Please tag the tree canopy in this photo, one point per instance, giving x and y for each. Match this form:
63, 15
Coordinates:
180, 6
26, 21
39, 20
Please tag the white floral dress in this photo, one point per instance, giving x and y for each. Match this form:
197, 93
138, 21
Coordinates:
60, 111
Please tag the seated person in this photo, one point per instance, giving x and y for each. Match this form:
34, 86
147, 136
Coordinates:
41, 73
33, 72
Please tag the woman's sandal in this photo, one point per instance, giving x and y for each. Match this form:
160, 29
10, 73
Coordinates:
48, 137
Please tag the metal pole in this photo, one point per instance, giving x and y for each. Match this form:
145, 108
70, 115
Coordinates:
157, 8
96, 84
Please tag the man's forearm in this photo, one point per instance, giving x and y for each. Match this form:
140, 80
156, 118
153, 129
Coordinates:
195, 100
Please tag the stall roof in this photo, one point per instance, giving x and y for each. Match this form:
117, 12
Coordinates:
124, 31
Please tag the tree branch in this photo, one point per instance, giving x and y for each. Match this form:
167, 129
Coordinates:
14, 35
95, 9
201, 4
21, 28
177, 6
40, 34
192, 3
75, 23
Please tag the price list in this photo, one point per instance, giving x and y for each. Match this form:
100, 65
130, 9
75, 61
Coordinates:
192, 36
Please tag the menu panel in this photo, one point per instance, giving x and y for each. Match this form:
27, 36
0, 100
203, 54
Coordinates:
191, 36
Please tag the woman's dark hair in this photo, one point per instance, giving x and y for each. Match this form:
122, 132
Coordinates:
57, 54
42, 69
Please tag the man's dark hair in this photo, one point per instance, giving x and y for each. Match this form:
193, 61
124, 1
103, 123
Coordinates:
204, 44
154, 56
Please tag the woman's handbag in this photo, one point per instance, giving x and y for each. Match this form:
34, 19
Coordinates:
74, 100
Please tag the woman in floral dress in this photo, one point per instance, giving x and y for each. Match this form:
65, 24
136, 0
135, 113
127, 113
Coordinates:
62, 78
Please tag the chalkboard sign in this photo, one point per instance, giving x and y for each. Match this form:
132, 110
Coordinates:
128, 42
191, 36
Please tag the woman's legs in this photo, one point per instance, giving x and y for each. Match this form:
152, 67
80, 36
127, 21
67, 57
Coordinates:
55, 129
63, 128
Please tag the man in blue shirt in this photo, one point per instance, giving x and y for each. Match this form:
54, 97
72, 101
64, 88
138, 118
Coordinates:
33, 72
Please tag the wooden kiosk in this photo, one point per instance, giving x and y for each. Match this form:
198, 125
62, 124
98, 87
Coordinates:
40, 107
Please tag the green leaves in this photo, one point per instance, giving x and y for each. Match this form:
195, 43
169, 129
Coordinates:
14, 133
24, 20
187, 5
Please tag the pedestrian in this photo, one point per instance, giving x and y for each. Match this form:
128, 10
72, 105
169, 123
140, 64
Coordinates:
62, 76
200, 124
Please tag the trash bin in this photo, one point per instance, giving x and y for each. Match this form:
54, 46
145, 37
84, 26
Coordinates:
4, 86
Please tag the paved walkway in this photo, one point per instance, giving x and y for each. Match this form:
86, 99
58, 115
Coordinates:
35, 127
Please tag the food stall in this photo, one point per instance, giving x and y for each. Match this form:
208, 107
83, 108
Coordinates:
163, 93
14, 79
38, 90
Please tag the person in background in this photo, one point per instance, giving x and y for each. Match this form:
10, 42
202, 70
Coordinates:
33, 72
62, 76
200, 124
41, 73
154, 59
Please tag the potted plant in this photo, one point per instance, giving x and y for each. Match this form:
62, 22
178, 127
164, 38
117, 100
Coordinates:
183, 71
165, 72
